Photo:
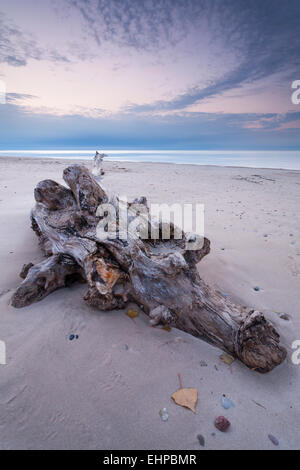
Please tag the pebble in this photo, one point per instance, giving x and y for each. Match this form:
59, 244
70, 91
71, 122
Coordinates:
201, 440
164, 414
222, 423
285, 316
71, 337
256, 288
273, 439
226, 403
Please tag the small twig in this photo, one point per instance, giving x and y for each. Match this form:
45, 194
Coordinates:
258, 404
180, 381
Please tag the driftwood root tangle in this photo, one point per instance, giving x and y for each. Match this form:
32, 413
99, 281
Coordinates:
160, 275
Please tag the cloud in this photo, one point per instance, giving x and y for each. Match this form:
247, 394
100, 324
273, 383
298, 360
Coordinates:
230, 81
18, 46
140, 24
275, 121
17, 97
13, 60
18, 129
263, 36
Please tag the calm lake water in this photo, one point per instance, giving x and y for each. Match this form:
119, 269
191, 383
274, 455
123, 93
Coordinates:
254, 159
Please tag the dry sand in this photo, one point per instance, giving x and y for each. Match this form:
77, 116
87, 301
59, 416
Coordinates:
105, 389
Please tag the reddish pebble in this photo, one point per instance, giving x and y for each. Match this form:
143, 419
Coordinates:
222, 423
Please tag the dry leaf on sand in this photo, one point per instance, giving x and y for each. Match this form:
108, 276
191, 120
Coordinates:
186, 397
227, 358
132, 313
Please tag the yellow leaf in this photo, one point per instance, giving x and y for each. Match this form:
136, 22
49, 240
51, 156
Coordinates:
132, 313
227, 358
186, 397
166, 328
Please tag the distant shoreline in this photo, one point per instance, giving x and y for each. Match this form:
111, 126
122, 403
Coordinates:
68, 160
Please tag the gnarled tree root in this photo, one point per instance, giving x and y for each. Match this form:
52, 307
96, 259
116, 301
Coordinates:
45, 277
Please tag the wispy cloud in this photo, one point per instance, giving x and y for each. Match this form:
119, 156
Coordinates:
274, 121
141, 24
263, 36
14, 98
18, 46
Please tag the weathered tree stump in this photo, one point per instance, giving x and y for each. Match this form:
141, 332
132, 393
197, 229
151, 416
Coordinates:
160, 275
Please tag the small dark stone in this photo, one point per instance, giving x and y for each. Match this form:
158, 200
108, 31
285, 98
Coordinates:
285, 316
76, 336
273, 439
256, 288
201, 440
71, 337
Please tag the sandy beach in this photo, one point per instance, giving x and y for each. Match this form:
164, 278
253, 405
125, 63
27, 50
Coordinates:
105, 389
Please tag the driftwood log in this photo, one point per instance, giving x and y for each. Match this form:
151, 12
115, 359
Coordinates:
159, 275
